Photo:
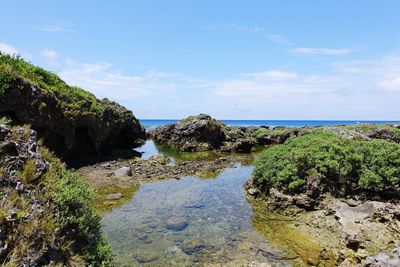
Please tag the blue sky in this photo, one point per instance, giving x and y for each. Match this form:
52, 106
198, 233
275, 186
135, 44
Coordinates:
232, 59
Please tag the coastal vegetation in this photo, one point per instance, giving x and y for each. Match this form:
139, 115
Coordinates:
344, 166
74, 99
70, 120
47, 214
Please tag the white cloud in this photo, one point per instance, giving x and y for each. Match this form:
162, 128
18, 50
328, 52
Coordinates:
278, 39
384, 72
367, 89
272, 74
322, 51
50, 56
390, 85
104, 80
8, 49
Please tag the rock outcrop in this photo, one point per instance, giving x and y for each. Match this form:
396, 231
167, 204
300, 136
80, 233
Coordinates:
195, 133
70, 120
39, 202
203, 133
66, 132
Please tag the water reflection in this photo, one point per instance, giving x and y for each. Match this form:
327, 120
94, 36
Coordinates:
150, 149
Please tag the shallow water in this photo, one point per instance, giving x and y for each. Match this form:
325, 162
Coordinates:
218, 217
150, 149
217, 223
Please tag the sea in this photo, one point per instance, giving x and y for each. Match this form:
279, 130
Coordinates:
153, 123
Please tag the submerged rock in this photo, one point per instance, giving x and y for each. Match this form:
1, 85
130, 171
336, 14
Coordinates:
145, 256
176, 224
193, 246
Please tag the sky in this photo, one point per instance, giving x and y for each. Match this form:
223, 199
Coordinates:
274, 60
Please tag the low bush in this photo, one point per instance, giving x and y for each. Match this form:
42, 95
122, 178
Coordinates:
77, 219
52, 219
347, 164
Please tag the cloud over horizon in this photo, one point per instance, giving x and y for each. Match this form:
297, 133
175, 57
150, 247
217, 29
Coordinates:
350, 90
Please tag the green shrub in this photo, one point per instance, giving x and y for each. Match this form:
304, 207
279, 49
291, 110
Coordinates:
78, 216
370, 165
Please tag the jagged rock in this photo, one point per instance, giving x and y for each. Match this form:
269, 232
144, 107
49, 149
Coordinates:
353, 241
195, 133
385, 134
203, 133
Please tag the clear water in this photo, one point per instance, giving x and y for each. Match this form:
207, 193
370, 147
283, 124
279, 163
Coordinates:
150, 149
223, 226
218, 217
272, 123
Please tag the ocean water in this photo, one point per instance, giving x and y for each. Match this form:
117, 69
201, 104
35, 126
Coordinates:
272, 123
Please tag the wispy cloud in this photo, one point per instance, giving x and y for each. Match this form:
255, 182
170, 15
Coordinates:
229, 28
8, 49
102, 79
322, 51
352, 90
277, 38
56, 26
49, 55
272, 75
363, 89
384, 72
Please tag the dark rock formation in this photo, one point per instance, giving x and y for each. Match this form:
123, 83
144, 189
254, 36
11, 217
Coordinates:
385, 134
203, 133
195, 133
68, 131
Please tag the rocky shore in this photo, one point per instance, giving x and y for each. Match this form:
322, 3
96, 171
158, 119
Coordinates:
115, 180
336, 184
46, 217
71, 121
203, 133
340, 186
